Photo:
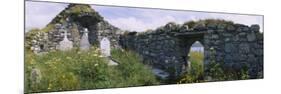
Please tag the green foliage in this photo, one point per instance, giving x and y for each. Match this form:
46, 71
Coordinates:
78, 8
216, 21
195, 73
76, 70
136, 74
191, 24
218, 73
32, 33
48, 28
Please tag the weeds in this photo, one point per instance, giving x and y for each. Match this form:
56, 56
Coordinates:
76, 70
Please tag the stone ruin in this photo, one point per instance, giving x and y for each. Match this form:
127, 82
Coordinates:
234, 46
75, 25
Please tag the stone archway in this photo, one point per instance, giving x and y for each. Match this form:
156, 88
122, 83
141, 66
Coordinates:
89, 22
185, 42
196, 48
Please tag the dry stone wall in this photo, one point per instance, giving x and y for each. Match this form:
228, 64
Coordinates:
233, 46
74, 20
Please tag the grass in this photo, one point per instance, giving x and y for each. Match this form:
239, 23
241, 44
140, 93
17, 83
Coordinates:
195, 73
77, 70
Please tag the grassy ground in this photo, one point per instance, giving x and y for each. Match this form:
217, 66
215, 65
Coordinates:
76, 70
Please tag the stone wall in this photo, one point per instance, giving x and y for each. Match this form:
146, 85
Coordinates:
233, 46
158, 50
162, 48
73, 22
50, 40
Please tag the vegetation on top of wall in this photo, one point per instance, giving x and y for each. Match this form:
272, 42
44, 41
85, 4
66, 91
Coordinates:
75, 10
78, 8
206, 22
48, 28
31, 33
174, 27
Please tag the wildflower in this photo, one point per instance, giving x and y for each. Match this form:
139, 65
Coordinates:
95, 55
97, 50
96, 65
68, 57
32, 61
50, 85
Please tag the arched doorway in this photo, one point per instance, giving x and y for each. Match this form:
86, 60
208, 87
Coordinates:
90, 22
188, 43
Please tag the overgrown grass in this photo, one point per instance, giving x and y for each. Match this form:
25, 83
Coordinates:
195, 71
76, 70
130, 66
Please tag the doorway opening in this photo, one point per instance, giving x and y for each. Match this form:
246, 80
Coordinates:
195, 60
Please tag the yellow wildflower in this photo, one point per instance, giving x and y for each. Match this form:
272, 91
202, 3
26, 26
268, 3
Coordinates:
50, 85
32, 61
96, 65
68, 57
100, 56
95, 55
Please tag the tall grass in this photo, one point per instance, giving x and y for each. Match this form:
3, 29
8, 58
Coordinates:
195, 71
76, 70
